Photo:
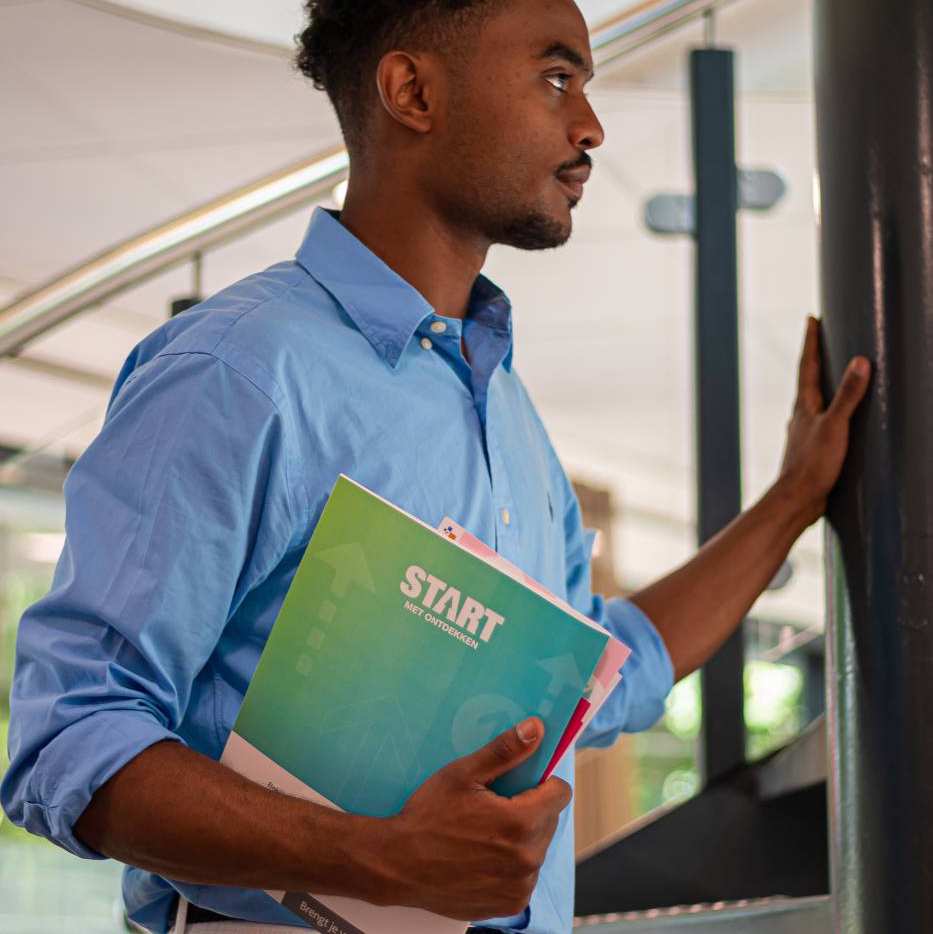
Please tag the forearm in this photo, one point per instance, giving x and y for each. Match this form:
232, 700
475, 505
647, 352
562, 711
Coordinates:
177, 813
699, 605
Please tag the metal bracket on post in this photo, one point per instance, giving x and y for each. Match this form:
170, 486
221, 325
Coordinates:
668, 214
178, 305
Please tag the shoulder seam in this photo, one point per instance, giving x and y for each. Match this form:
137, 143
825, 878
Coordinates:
227, 365
255, 307
273, 402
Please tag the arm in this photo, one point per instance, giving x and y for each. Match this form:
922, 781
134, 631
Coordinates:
456, 848
175, 513
699, 605
184, 816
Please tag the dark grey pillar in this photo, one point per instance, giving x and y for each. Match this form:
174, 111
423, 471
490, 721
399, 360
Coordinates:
875, 130
719, 480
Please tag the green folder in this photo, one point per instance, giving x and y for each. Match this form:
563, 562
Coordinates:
397, 651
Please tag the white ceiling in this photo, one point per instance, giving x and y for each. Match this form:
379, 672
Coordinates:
130, 124
109, 125
277, 21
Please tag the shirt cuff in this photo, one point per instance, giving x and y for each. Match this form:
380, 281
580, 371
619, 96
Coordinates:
515, 923
647, 677
76, 763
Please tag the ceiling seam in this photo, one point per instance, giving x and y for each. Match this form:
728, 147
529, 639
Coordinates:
190, 31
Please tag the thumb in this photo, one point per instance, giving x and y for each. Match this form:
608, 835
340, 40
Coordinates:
503, 754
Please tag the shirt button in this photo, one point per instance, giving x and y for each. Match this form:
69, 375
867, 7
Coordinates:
506, 517
426, 343
438, 327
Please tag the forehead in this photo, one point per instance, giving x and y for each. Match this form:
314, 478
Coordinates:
524, 29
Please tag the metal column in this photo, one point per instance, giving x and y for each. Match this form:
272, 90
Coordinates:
719, 496
875, 131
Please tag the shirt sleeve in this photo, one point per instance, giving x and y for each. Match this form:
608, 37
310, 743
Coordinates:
647, 677
176, 510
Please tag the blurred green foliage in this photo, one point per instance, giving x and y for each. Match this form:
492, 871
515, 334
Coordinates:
667, 767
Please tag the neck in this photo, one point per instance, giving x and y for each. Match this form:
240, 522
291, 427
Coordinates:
397, 223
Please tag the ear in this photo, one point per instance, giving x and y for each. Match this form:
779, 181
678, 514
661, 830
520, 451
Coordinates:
408, 89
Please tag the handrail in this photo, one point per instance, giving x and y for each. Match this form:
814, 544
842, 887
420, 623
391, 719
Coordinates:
229, 216
143, 256
649, 20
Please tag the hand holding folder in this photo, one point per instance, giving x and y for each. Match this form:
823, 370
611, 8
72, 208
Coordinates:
398, 655
465, 851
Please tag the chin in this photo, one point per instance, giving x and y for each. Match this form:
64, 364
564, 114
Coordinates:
537, 230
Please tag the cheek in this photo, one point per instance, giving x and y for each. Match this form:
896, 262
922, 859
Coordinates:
497, 119
502, 146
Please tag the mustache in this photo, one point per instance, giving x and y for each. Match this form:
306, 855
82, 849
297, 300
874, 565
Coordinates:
583, 160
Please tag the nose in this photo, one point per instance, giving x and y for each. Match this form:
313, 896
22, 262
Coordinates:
586, 132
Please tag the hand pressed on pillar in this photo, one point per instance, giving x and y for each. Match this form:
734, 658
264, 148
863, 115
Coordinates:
697, 607
818, 435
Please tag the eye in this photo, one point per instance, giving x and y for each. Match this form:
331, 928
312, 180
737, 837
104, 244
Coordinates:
561, 82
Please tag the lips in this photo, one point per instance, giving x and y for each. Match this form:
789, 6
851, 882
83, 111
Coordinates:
573, 180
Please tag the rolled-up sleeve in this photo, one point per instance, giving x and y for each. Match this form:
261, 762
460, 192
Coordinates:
647, 677
174, 512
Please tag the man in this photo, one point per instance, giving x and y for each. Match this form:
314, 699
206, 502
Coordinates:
380, 352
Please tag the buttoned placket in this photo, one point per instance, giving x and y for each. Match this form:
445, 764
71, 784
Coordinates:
506, 521
442, 337
490, 352
478, 383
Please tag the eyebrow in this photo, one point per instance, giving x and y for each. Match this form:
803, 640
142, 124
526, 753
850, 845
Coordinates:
568, 54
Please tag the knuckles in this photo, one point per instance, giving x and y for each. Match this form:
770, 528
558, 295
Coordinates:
525, 892
520, 849
515, 828
527, 860
515, 900
565, 794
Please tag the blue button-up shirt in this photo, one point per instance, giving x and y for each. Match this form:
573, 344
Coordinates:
187, 516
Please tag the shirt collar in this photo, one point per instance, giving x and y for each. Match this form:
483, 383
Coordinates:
490, 308
386, 308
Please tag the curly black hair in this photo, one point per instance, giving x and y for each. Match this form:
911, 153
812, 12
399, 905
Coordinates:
345, 39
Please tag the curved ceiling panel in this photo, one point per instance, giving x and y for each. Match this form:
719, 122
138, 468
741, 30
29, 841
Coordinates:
273, 22
276, 21
105, 136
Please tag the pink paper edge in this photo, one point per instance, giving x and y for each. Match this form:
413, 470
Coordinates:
573, 728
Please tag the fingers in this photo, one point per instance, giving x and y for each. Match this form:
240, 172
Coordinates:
550, 796
503, 754
852, 388
537, 811
808, 374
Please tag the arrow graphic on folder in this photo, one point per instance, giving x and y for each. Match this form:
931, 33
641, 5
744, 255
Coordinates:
564, 674
350, 567
349, 562
376, 743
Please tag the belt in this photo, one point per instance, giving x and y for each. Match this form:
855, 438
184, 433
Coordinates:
199, 915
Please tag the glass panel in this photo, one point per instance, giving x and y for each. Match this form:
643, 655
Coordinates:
780, 286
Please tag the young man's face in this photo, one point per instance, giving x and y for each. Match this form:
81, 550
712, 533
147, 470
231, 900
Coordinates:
511, 155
